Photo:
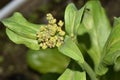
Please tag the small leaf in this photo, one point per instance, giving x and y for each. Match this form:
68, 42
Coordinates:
72, 19
70, 49
18, 24
20, 31
48, 60
72, 75
30, 43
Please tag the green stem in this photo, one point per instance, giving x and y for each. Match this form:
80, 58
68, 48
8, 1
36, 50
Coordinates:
85, 66
89, 70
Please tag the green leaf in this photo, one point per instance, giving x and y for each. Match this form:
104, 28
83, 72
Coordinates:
72, 75
70, 49
30, 43
48, 60
72, 19
112, 47
18, 24
98, 27
20, 31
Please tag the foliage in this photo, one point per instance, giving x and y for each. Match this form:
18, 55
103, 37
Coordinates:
45, 61
104, 47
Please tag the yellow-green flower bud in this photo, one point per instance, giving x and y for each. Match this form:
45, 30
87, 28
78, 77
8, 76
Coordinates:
62, 33
58, 44
52, 21
60, 38
59, 29
42, 28
60, 23
44, 46
49, 16
50, 35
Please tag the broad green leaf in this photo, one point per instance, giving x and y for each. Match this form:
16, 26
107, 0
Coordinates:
112, 47
98, 27
20, 31
72, 75
18, 24
72, 19
30, 43
70, 49
48, 60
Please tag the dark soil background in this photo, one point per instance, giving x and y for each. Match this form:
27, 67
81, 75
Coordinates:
13, 64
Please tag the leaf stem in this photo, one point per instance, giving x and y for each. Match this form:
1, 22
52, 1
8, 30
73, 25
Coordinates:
85, 66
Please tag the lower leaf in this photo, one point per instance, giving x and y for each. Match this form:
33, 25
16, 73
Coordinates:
72, 75
48, 60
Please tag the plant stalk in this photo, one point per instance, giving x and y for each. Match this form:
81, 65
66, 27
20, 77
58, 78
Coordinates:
89, 70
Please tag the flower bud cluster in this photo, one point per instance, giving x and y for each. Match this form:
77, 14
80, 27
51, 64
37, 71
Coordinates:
51, 35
